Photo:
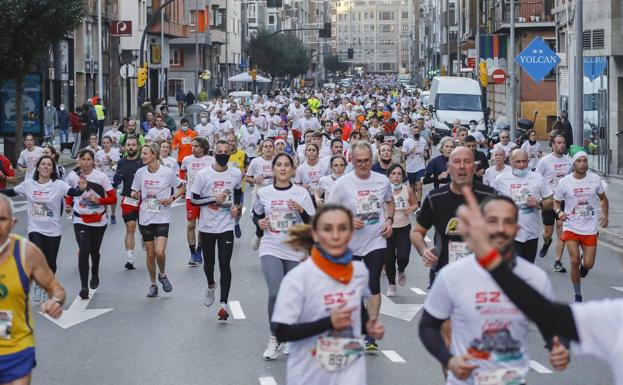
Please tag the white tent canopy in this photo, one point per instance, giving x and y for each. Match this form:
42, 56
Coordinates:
246, 78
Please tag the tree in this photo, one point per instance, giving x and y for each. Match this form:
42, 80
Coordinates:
332, 63
28, 29
279, 54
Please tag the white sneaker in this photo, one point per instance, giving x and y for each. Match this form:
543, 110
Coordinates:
209, 297
402, 278
255, 244
286, 348
391, 291
273, 348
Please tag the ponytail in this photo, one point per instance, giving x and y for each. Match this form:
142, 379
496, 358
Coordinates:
300, 238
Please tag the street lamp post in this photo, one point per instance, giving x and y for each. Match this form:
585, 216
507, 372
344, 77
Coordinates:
196, 48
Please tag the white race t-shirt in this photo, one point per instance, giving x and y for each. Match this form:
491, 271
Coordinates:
519, 190
365, 198
216, 218
83, 204
507, 148
325, 184
154, 187
414, 152
553, 169
581, 202
106, 160
156, 135
171, 163
599, 328
310, 175
485, 323
192, 165
533, 151
28, 159
307, 294
261, 167
273, 203
45, 205
491, 173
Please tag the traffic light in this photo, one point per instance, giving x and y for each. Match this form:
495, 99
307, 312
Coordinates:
351, 53
274, 3
482, 71
325, 32
141, 77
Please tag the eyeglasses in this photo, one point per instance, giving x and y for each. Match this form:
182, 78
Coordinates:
503, 137
362, 162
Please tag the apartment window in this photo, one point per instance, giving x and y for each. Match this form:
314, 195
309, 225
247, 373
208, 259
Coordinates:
387, 28
173, 86
404, 14
271, 19
176, 57
551, 43
387, 66
386, 16
404, 28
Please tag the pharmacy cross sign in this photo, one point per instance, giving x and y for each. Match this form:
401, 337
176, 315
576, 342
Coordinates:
537, 59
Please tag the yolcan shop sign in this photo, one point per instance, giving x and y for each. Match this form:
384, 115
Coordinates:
537, 59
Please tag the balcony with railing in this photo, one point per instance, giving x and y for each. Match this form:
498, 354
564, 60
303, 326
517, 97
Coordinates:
528, 14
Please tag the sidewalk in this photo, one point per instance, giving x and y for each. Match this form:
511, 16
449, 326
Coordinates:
614, 233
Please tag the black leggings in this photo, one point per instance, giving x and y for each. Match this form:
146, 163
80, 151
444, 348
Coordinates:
89, 240
398, 249
48, 246
374, 262
225, 244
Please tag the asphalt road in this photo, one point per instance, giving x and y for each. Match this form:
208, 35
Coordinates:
175, 339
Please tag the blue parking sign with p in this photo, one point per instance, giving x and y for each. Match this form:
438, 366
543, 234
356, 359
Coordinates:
537, 59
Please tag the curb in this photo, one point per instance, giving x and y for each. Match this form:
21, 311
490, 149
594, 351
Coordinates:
614, 238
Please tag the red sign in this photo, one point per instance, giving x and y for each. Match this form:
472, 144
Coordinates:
121, 28
470, 62
498, 76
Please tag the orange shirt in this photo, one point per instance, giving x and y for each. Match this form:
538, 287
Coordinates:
182, 140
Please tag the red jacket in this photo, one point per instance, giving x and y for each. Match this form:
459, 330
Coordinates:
74, 121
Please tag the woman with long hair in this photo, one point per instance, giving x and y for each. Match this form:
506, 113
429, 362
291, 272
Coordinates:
320, 306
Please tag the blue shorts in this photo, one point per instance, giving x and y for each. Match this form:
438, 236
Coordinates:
416, 176
17, 365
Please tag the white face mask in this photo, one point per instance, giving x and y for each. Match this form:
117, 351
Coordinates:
204, 120
251, 129
62, 107
49, 104
472, 127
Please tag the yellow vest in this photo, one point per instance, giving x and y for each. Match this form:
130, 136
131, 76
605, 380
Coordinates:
14, 307
99, 112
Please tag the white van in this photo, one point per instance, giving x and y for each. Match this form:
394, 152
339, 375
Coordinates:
452, 98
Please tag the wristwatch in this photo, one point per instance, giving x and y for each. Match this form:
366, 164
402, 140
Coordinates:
390, 218
58, 301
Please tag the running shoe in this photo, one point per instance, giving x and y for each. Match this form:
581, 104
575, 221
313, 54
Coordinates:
371, 345
95, 282
286, 348
237, 231
36, 294
209, 297
113, 220
166, 285
255, 244
129, 265
583, 271
192, 263
578, 298
544, 249
153, 291
196, 257
402, 278
391, 291
223, 314
559, 268
84, 293
273, 348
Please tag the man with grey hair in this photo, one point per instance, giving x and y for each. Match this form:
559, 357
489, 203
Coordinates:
530, 193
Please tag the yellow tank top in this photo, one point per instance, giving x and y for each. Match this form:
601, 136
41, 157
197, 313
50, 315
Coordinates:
16, 323
236, 160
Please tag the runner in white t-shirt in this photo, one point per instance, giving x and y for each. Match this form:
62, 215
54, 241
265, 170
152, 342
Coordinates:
489, 334
553, 167
260, 174
530, 193
309, 173
159, 133
167, 159
582, 193
369, 197
325, 184
153, 184
218, 190
191, 165
29, 156
276, 209
499, 167
505, 143
533, 148
415, 150
320, 307
106, 161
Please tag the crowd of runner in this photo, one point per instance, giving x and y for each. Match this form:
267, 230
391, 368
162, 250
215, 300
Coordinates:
334, 186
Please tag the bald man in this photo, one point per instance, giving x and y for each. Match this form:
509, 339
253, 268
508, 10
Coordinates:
438, 210
531, 195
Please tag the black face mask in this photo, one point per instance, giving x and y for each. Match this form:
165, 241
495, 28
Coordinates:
221, 159
416, 136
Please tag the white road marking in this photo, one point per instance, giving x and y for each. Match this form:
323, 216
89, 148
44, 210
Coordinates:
77, 312
618, 289
539, 368
393, 356
267, 381
405, 312
418, 291
19, 206
236, 310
